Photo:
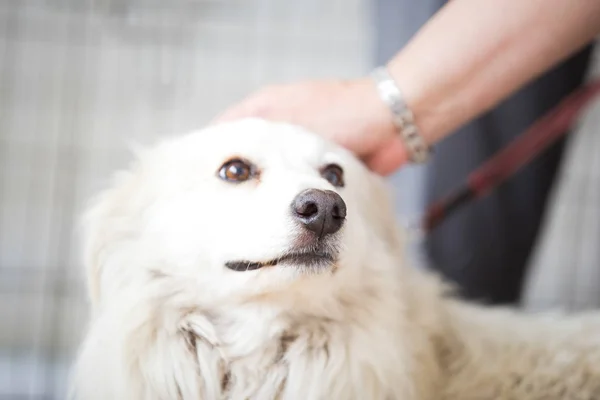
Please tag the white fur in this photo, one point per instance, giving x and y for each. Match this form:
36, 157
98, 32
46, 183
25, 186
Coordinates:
169, 321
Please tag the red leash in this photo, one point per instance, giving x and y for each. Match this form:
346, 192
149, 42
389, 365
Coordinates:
520, 152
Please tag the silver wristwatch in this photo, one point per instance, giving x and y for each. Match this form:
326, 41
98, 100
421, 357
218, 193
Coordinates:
417, 147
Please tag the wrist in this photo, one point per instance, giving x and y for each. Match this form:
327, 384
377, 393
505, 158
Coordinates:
414, 94
390, 94
371, 108
378, 143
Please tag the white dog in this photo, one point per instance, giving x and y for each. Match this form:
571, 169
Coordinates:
254, 260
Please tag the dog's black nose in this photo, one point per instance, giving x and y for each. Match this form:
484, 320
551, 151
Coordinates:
320, 211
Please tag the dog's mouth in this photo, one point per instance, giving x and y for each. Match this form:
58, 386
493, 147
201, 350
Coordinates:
305, 259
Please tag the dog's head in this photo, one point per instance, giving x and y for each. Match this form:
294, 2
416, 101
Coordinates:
238, 209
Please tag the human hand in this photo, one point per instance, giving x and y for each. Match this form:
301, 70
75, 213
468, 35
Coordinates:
349, 113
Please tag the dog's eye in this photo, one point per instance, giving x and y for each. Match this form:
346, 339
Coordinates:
334, 175
236, 170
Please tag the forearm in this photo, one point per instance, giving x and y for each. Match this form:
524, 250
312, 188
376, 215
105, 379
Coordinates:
474, 53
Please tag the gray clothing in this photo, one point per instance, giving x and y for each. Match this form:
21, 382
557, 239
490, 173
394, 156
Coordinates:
484, 247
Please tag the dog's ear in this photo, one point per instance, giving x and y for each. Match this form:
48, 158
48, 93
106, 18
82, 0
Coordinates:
381, 211
109, 224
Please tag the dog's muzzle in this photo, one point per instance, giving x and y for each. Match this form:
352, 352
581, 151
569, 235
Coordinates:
321, 213
307, 259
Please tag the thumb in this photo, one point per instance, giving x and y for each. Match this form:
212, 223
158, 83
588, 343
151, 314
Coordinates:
389, 158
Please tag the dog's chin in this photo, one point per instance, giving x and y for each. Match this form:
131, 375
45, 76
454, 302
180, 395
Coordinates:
304, 261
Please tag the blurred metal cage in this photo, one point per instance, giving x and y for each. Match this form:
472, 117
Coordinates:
82, 79
79, 80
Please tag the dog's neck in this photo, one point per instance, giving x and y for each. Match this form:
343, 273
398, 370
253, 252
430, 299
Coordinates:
269, 319
348, 337
308, 342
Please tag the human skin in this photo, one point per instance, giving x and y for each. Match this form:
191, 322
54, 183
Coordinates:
466, 59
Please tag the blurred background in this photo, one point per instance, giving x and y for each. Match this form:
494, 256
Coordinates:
80, 79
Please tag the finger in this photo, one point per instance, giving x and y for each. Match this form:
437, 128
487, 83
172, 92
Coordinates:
388, 159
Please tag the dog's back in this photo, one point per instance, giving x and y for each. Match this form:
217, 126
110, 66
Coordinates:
209, 281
